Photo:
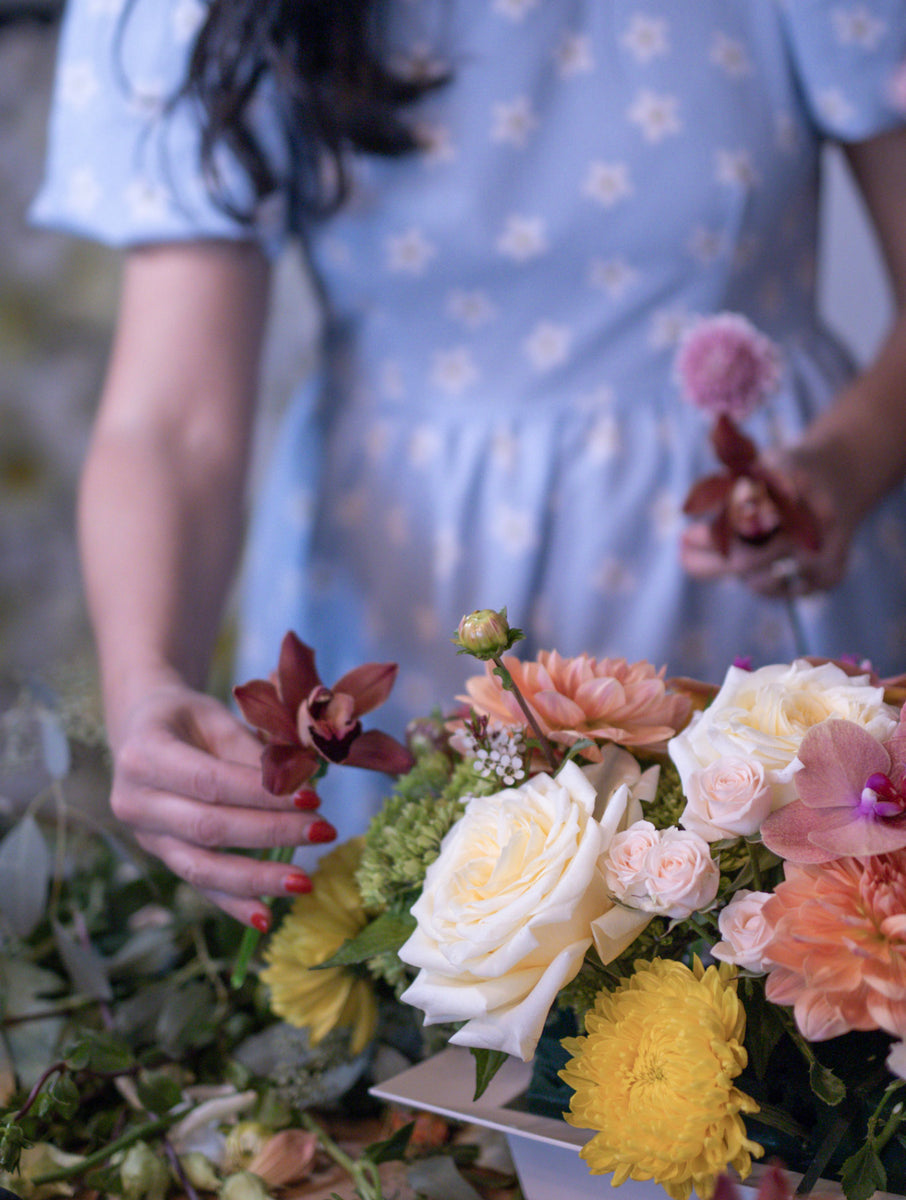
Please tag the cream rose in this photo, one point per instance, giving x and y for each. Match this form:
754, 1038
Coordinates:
763, 716
744, 931
728, 798
668, 872
505, 914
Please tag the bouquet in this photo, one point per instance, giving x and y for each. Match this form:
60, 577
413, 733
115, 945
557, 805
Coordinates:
711, 882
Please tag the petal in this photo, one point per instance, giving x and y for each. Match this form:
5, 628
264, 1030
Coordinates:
296, 671
786, 832
707, 494
837, 757
262, 708
734, 449
285, 768
369, 685
862, 837
558, 712
379, 752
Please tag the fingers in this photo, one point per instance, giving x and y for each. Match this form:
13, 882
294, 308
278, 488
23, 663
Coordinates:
775, 570
234, 882
210, 824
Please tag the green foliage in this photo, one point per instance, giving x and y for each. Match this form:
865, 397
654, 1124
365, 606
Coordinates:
487, 1064
404, 838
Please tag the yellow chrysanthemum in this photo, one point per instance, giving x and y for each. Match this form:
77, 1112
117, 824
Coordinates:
654, 1076
316, 926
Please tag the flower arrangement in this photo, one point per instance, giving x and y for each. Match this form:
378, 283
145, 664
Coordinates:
712, 882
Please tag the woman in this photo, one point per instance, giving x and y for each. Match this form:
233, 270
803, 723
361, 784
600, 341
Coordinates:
526, 203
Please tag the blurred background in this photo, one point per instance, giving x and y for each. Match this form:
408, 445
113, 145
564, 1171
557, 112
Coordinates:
57, 297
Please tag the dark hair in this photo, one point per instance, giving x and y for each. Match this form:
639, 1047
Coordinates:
333, 90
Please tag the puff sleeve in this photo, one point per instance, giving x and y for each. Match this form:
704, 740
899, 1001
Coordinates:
850, 60
122, 164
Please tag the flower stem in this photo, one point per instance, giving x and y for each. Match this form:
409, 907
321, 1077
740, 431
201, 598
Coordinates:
364, 1173
136, 1134
510, 685
251, 937
756, 869
800, 641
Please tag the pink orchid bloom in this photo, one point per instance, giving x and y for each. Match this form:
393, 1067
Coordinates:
852, 797
306, 725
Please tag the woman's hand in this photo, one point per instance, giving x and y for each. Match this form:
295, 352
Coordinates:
187, 781
781, 565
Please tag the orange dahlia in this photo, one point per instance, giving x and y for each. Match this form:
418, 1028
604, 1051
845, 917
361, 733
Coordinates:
604, 700
838, 951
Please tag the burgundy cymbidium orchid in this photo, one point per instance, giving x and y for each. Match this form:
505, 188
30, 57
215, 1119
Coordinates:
306, 725
852, 796
747, 498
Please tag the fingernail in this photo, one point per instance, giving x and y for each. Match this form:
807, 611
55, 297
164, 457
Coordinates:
321, 831
306, 798
261, 921
297, 885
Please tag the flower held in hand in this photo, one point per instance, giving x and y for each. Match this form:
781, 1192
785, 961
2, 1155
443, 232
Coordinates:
306, 725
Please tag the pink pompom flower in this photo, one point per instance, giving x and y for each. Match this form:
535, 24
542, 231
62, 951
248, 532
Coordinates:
726, 367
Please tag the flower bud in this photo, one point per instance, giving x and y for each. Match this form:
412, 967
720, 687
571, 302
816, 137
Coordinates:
144, 1175
485, 633
244, 1186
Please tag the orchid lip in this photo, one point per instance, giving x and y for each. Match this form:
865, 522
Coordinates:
880, 798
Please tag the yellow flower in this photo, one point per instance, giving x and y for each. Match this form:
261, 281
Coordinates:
654, 1076
316, 926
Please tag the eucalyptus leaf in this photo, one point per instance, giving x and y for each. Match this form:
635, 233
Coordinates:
385, 934
487, 1064
84, 966
54, 744
25, 868
25, 990
437, 1178
185, 1017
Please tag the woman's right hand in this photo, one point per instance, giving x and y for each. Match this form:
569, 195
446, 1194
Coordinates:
187, 781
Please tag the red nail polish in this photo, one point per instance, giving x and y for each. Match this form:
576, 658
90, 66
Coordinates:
261, 921
297, 885
306, 798
321, 831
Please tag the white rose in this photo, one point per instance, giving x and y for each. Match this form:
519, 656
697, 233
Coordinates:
763, 715
668, 872
744, 930
728, 798
505, 914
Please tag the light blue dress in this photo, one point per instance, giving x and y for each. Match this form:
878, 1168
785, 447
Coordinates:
494, 418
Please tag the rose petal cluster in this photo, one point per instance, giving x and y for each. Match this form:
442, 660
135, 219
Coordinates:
744, 931
665, 872
728, 798
763, 716
504, 918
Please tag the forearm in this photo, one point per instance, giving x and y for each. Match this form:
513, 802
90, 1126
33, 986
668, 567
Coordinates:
158, 552
857, 447
162, 492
